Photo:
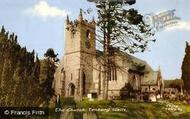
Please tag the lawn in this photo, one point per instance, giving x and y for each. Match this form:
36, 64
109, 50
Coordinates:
139, 110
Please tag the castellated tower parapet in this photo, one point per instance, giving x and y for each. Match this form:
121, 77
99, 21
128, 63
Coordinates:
83, 31
80, 20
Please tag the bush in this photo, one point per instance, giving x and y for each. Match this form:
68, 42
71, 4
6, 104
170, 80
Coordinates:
68, 102
146, 97
126, 91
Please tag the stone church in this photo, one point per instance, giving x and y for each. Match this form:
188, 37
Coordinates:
80, 72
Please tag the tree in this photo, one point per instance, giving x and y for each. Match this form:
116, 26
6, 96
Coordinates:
19, 74
186, 68
122, 29
126, 91
47, 70
50, 54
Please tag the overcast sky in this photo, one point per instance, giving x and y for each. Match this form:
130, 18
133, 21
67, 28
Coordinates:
39, 25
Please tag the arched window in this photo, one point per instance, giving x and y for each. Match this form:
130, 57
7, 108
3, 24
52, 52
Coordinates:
88, 35
63, 74
113, 73
134, 81
71, 89
62, 80
83, 83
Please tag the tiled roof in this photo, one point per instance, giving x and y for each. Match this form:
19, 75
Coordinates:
150, 78
134, 63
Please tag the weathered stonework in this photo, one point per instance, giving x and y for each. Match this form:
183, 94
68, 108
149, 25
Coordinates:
81, 72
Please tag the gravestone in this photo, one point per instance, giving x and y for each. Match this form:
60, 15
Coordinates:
90, 115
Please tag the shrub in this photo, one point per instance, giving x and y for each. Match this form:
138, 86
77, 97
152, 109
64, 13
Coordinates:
146, 97
68, 102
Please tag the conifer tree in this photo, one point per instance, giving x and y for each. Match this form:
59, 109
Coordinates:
186, 68
122, 29
19, 74
47, 71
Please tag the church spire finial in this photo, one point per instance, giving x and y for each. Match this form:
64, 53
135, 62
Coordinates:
187, 44
2, 29
159, 69
80, 15
93, 19
67, 19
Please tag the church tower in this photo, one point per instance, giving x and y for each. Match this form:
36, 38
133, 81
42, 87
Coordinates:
78, 58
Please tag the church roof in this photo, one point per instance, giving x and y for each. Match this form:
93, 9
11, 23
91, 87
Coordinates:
150, 78
137, 63
134, 63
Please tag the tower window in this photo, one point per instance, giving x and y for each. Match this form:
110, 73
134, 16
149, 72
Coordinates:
88, 37
88, 34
